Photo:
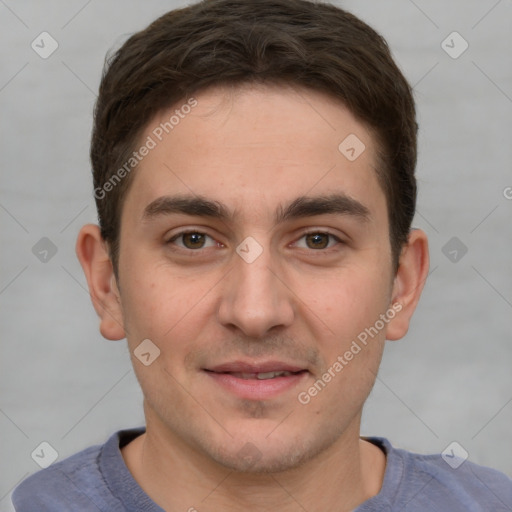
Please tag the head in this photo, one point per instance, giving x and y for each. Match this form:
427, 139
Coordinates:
280, 136
290, 42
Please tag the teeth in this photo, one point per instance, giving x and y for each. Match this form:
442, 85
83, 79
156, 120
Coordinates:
271, 375
260, 376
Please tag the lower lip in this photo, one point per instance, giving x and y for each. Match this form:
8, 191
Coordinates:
257, 389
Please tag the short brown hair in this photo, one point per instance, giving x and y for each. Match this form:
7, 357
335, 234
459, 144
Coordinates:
233, 42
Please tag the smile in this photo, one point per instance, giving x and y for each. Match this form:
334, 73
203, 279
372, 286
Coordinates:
256, 381
261, 376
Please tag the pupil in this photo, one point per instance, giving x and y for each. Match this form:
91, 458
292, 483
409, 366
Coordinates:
317, 241
193, 240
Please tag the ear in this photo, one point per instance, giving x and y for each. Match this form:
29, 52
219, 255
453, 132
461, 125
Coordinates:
408, 284
92, 252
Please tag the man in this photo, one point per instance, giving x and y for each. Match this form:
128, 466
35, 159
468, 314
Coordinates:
254, 177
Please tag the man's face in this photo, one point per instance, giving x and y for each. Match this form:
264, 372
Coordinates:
286, 280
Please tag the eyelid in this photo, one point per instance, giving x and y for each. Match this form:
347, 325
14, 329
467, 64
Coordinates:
186, 231
202, 231
320, 231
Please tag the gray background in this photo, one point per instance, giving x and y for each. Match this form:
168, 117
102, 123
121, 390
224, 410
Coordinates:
450, 379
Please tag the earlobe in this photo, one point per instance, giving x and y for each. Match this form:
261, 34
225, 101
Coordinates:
409, 281
93, 256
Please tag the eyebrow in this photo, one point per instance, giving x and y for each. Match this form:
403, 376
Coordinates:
307, 206
303, 206
188, 205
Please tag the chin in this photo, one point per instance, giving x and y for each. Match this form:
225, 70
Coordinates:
263, 456
262, 462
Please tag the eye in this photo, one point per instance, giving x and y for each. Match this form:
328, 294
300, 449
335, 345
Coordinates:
192, 240
317, 240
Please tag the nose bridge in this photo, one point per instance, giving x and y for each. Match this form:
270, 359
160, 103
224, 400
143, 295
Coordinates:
254, 299
256, 281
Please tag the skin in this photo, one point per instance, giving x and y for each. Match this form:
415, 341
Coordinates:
255, 149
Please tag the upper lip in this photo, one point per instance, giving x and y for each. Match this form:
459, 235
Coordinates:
252, 367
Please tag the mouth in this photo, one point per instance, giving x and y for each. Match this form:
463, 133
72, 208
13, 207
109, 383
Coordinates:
252, 381
262, 375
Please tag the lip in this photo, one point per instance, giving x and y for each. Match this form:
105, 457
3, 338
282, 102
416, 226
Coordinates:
255, 389
262, 367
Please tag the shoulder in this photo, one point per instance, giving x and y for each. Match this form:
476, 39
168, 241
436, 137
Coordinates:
76, 483
449, 482
468, 484
61, 483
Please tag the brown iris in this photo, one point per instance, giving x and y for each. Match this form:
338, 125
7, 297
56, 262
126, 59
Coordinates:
193, 240
317, 240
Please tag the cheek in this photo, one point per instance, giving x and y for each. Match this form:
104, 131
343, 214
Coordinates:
163, 307
347, 301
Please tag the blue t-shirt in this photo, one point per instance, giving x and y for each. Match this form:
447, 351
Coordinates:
97, 479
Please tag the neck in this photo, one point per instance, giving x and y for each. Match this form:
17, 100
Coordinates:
179, 477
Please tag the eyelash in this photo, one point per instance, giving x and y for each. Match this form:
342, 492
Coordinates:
312, 232
189, 252
327, 250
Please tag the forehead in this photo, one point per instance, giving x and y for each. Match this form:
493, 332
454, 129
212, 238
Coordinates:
256, 147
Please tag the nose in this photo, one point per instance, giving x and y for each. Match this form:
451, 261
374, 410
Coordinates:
255, 297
